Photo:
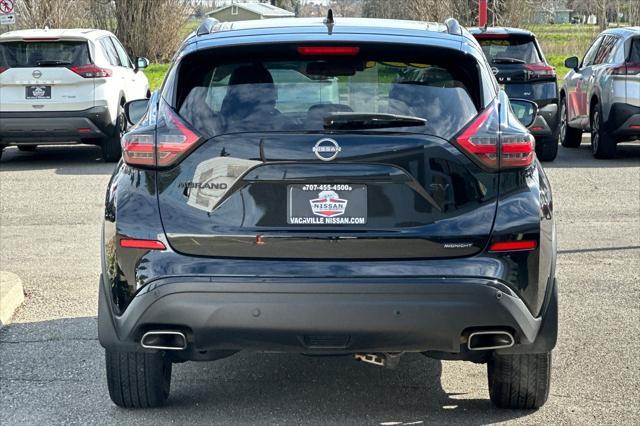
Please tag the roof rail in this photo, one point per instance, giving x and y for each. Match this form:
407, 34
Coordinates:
453, 27
206, 26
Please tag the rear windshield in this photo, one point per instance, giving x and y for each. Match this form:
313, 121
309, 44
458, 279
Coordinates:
18, 54
510, 50
284, 91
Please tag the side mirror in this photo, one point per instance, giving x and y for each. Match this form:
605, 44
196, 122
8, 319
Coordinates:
141, 63
135, 110
572, 63
524, 110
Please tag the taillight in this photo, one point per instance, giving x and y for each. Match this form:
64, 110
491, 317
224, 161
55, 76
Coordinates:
519, 245
173, 138
483, 140
328, 50
490, 36
3, 69
142, 244
138, 149
91, 71
516, 150
539, 70
480, 138
629, 68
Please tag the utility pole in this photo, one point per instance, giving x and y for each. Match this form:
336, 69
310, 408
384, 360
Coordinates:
482, 13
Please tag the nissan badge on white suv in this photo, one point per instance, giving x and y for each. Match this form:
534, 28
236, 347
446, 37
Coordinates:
60, 86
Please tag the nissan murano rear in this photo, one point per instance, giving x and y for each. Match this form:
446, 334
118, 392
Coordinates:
358, 187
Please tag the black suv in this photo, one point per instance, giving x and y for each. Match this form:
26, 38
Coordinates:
522, 70
358, 187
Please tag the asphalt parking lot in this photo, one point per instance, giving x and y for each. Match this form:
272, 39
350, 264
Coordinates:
51, 365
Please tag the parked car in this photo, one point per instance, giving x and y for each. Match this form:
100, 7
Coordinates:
407, 214
601, 93
520, 67
66, 86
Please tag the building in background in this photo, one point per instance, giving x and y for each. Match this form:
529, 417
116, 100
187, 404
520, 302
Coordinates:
248, 11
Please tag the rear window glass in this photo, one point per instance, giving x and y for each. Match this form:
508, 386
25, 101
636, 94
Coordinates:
39, 54
510, 50
287, 92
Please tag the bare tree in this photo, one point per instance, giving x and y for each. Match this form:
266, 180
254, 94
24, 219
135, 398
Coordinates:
151, 28
51, 13
102, 14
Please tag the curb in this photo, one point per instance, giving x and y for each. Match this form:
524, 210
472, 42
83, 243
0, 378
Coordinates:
11, 296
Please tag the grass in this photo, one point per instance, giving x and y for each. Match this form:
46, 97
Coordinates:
155, 73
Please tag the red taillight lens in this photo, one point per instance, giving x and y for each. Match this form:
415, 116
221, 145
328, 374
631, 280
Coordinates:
629, 68
328, 50
173, 138
3, 69
91, 71
484, 141
142, 244
138, 149
516, 150
540, 70
480, 138
513, 245
490, 36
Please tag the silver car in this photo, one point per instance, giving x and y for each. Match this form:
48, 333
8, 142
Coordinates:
601, 94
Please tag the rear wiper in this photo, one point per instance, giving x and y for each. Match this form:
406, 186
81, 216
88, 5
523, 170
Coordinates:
46, 63
355, 120
508, 61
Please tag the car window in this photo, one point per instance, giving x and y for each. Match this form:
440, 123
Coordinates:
110, 51
122, 54
604, 51
296, 94
591, 53
17, 54
634, 52
500, 50
617, 54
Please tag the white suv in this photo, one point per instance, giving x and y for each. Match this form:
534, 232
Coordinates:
66, 86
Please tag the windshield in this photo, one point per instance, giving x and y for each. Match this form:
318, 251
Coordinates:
510, 50
291, 93
16, 54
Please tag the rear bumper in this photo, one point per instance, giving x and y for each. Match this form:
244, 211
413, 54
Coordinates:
624, 121
55, 126
376, 315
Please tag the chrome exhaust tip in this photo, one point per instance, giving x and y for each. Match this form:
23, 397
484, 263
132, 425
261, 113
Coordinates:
487, 340
164, 340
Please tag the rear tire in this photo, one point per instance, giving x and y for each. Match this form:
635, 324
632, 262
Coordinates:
27, 148
602, 145
138, 379
547, 149
569, 137
111, 149
519, 381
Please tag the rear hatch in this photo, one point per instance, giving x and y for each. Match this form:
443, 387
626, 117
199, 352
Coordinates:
519, 66
45, 74
361, 167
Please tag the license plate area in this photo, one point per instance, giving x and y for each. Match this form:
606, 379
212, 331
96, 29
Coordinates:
327, 204
37, 92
